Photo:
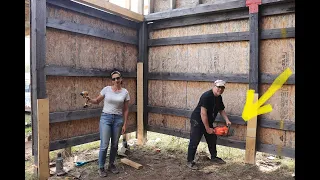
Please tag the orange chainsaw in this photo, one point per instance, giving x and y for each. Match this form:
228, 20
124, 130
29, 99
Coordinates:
223, 131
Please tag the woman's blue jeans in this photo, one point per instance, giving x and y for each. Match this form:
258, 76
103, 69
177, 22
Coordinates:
110, 127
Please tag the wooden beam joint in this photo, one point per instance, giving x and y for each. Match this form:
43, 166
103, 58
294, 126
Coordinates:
253, 5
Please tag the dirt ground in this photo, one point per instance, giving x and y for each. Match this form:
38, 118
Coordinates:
164, 158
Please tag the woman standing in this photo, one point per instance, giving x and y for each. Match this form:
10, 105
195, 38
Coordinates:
113, 120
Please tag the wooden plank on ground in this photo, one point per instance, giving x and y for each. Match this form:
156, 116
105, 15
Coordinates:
131, 163
43, 138
110, 7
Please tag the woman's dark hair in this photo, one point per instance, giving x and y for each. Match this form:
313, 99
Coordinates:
116, 71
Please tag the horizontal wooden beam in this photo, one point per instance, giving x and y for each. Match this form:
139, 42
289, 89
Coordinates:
283, 125
276, 150
268, 148
187, 113
87, 30
230, 78
93, 12
60, 144
203, 9
275, 124
54, 70
200, 9
184, 134
222, 37
80, 114
267, 10
208, 38
113, 8
278, 33
269, 79
237, 78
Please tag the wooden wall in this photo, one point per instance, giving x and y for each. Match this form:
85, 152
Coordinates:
82, 46
187, 53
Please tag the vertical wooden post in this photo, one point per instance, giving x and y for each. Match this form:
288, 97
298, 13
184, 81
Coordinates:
142, 84
151, 7
250, 156
140, 109
141, 7
43, 139
172, 4
38, 57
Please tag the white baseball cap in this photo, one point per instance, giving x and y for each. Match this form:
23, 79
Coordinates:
219, 82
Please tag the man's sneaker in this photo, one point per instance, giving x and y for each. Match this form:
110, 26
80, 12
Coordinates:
102, 172
113, 169
217, 160
192, 165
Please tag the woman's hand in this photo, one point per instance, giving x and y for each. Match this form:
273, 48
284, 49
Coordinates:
123, 129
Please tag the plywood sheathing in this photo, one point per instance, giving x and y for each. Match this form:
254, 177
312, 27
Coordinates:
64, 92
283, 103
170, 94
168, 121
87, 52
67, 15
212, 58
276, 55
185, 95
278, 21
202, 29
271, 136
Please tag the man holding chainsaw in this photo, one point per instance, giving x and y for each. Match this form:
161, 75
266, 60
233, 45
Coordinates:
202, 119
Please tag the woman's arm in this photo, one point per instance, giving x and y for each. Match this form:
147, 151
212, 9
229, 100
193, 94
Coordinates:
125, 115
97, 100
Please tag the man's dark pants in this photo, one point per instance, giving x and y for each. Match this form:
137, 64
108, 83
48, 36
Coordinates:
196, 131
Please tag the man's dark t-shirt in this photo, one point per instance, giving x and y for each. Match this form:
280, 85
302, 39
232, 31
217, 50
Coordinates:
213, 105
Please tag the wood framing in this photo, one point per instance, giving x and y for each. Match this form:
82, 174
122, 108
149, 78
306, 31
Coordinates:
233, 78
143, 90
267, 10
250, 154
87, 30
38, 57
54, 70
222, 37
59, 144
140, 130
275, 124
110, 7
80, 114
43, 139
83, 9
87, 48
208, 38
205, 8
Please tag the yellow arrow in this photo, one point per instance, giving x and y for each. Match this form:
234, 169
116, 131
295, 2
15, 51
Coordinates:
252, 109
